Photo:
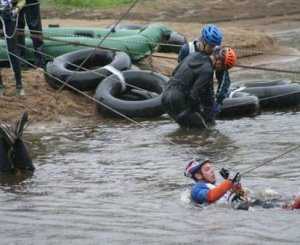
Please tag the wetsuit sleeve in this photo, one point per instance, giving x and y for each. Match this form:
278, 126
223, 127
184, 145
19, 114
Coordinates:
204, 77
183, 52
223, 86
216, 193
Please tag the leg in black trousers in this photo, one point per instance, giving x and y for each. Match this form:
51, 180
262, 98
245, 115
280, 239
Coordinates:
32, 15
12, 48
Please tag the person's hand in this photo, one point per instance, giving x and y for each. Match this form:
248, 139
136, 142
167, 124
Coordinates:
216, 108
224, 173
15, 11
236, 179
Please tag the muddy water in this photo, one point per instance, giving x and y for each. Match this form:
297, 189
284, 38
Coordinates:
117, 183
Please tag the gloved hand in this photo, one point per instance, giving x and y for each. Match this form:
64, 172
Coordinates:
236, 179
224, 173
216, 108
14, 12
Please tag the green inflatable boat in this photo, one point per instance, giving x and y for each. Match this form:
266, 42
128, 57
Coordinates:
136, 43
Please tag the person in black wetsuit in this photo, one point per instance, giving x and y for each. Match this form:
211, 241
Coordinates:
210, 39
189, 97
14, 155
31, 14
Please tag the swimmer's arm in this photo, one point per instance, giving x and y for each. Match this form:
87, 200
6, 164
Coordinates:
216, 193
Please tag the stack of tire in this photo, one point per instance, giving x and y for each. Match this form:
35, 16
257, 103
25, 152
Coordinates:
121, 90
139, 95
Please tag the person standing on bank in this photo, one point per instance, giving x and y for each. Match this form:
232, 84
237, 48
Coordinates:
32, 16
9, 12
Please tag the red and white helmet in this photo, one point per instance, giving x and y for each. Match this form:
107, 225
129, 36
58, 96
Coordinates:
194, 166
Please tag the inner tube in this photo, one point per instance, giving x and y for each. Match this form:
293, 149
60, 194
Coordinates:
241, 105
110, 92
264, 83
172, 43
85, 80
278, 96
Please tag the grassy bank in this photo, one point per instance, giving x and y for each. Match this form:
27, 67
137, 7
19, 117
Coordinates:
87, 3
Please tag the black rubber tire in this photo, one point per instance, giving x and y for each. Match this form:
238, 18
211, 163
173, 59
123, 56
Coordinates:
173, 43
62, 69
275, 97
109, 92
264, 83
241, 105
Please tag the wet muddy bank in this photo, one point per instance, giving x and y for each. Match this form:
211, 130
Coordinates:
46, 104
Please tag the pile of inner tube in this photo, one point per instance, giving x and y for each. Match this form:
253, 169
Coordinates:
95, 61
271, 94
241, 105
137, 93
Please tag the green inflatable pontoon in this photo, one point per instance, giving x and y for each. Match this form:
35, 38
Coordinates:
136, 43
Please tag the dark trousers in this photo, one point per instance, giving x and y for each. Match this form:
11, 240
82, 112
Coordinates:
177, 105
32, 16
12, 47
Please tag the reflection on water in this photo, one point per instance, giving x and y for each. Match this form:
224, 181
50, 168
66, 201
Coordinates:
117, 183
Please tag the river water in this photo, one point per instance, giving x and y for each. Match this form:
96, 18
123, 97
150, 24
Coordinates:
112, 182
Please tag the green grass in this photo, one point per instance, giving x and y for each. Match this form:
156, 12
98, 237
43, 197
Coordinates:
89, 3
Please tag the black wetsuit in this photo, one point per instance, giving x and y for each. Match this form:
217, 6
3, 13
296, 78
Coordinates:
10, 26
222, 75
189, 96
32, 15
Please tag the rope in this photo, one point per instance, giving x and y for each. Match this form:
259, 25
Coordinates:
132, 86
141, 89
4, 27
170, 58
98, 102
251, 51
17, 19
270, 160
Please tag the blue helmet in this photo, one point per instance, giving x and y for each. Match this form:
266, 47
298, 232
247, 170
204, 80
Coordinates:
194, 166
212, 35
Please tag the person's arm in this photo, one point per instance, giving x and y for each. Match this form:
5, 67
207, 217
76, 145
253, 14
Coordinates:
216, 193
296, 203
183, 52
202, 194
223, 86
